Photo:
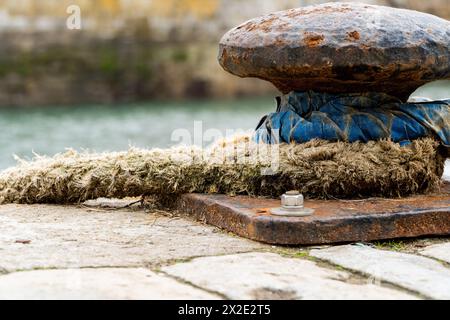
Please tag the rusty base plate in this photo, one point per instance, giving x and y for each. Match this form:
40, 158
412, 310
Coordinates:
334, 221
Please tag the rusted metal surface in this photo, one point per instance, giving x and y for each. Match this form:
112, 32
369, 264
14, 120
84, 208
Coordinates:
341, 48
334, 221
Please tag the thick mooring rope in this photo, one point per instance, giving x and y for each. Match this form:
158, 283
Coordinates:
238, 166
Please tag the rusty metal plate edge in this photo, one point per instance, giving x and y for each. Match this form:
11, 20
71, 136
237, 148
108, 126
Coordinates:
339, 229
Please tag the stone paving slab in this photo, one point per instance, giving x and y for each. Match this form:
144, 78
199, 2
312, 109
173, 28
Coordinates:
271, 276
419, 274
439, 251
95, 284
44, 236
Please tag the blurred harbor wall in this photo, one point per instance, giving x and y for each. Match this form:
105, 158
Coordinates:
130, 50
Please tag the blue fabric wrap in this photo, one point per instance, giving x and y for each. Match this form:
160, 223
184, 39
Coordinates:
304, 116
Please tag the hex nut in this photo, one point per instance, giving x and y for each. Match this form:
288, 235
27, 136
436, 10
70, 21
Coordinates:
292, 199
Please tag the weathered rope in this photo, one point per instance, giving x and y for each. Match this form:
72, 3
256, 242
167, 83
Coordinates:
316, 168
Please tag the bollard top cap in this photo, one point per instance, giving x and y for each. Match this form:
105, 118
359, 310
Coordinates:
341, 48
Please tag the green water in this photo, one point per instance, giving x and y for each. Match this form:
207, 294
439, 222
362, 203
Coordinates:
51, 130
112, 128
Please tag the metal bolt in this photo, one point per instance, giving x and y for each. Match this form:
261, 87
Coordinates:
292, 205
292, 199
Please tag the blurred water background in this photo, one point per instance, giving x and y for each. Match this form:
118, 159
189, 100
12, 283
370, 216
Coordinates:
49, 130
